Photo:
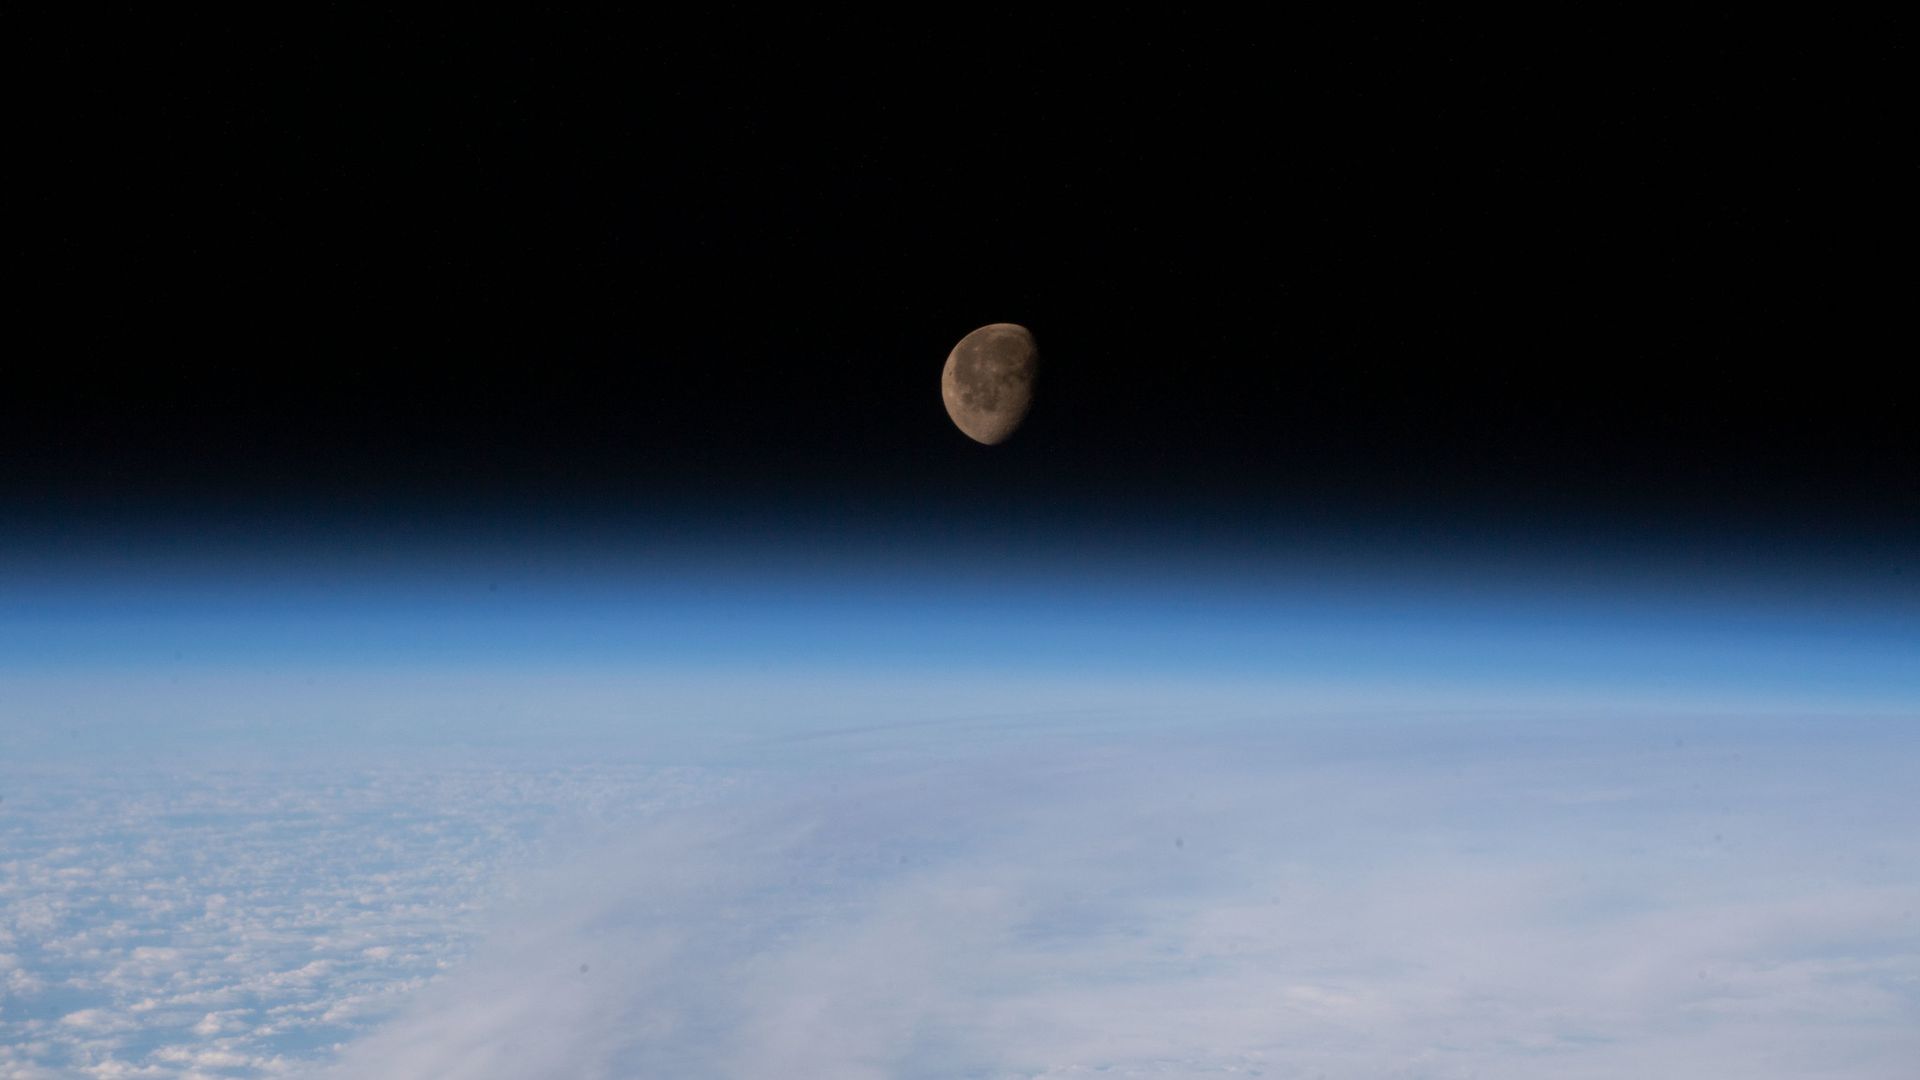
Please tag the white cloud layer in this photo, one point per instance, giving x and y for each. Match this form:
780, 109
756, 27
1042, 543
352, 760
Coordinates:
1388, 900
191, 919
1144, 895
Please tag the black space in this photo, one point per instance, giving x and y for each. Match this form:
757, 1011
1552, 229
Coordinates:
1463, 269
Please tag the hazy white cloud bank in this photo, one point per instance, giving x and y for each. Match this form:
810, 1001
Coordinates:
1041, 898
1399, 900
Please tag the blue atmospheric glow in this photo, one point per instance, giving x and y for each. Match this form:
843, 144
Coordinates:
1462, 631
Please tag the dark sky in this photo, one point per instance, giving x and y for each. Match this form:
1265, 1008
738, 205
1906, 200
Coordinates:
1429, 269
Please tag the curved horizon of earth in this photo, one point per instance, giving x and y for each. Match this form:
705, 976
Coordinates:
828, 833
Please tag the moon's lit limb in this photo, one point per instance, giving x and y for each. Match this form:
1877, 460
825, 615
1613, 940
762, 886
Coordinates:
987, 383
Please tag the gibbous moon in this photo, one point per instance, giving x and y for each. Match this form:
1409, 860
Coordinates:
988, 381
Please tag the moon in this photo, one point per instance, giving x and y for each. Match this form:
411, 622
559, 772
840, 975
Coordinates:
988, 381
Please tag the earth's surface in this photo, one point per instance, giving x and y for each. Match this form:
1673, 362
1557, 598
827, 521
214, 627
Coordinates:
819, 834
